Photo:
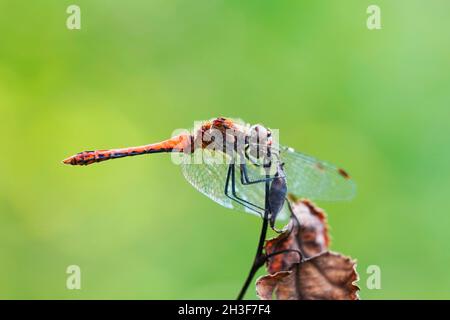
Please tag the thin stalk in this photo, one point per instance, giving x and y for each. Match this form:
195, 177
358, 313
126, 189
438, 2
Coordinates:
259, 257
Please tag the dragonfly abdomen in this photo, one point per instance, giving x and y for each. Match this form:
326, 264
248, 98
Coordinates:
277, 196
178, 143
88, 157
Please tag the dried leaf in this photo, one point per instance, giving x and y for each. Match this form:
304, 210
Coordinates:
311, 237
328, 276
320, 275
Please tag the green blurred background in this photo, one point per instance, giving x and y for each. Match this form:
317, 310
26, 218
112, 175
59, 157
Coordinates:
375, 102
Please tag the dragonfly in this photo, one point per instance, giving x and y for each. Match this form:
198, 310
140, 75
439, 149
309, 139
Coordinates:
242, 167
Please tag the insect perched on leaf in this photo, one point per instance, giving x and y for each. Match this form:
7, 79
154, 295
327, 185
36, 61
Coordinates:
235, 161
242, 167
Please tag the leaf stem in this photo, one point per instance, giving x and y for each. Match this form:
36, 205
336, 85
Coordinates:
260, 258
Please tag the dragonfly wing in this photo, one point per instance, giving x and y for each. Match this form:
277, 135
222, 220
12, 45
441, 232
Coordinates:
209, 177
315, 179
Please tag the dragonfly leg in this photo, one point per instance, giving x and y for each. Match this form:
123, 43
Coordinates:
233, 189
247, 204
245, 180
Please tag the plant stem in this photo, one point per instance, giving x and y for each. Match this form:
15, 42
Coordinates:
259, 257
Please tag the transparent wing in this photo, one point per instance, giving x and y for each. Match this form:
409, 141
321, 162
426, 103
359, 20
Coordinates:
314, 179
208, 175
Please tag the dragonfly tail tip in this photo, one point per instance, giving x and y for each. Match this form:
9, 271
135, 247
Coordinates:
68, 161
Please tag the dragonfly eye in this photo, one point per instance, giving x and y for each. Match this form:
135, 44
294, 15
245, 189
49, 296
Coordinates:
259, 133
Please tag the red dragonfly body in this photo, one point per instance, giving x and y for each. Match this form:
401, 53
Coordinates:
180, 143
88, 157
239, 183
252, 181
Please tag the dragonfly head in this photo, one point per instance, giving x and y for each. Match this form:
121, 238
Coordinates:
260, 131
259, 142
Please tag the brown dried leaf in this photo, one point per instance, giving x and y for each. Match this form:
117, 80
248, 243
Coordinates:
311, 237
321, 275
328, 276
